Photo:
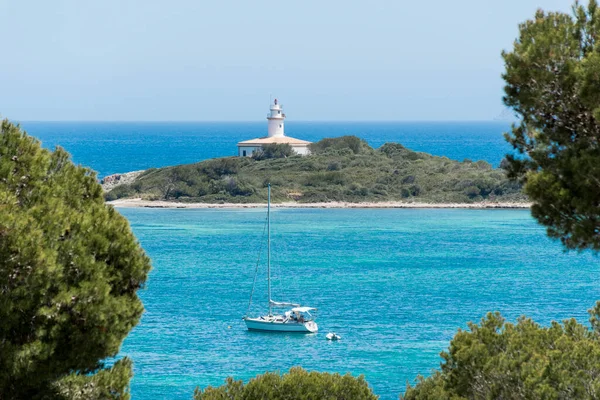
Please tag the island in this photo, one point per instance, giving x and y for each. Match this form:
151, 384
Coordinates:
338, 172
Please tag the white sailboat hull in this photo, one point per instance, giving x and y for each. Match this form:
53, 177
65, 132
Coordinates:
258, 324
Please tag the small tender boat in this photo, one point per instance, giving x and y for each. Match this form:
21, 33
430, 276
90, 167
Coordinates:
297, 319
333, 336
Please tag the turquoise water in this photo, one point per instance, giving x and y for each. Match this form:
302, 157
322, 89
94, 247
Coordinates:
110, 147
395, 284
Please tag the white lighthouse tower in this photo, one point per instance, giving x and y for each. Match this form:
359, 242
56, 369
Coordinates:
275, 117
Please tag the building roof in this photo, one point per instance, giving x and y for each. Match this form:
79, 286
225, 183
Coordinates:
275, 139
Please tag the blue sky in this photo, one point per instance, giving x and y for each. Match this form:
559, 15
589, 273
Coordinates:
195, 60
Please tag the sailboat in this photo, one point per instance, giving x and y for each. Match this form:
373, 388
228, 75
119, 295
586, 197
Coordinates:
296, 319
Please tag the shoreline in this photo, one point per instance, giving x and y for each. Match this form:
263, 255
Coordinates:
139, 203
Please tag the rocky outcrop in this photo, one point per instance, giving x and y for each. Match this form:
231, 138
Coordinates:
110, 182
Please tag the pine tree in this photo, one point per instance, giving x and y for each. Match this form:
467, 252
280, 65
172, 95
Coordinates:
295, 384
553, 85
70, 268
500, 360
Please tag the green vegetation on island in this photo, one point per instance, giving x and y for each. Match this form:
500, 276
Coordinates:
339, 169
70, 269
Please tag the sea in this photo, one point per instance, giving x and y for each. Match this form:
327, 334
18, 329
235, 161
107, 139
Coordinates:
395, 284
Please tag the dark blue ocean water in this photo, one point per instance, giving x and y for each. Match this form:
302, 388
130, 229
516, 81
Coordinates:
110, 147
395, 284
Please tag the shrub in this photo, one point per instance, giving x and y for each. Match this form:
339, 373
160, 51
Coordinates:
119, 192
235, 187
485, 186
334, 166
297, 384
180, 189
483, 165
326, 178
394, 150
472, 191
499, 360
274, 150
414, 190
353, 143
408, 179
202, 189
147, 172
110, 196
218, 167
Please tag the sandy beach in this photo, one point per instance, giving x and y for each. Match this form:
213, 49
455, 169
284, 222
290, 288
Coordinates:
132, 203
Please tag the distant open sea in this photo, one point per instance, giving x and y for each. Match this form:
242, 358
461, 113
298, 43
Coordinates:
396, 284
111, 147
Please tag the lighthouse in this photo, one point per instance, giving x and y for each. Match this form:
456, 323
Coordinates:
275, 135
275, 118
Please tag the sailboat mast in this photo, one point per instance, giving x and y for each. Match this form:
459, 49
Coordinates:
269, 245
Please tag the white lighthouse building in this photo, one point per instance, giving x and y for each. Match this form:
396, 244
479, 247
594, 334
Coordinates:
275, 134
276, 118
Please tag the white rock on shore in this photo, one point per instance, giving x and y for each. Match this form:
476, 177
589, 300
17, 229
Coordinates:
112, 181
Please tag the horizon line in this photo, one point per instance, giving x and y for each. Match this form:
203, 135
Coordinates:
260, 122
